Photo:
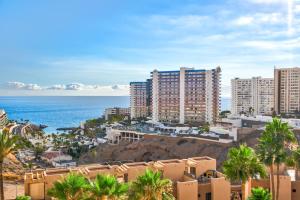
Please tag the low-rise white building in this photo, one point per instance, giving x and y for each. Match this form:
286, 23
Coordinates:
114, 135
116, 111
237, 121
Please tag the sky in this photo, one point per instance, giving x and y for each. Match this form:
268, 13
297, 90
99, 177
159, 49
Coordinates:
96, 47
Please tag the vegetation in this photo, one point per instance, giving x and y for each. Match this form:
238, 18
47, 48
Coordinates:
38, 149
107, 187
273, 148
260, 194
116, 118
251, 110
7, 146
23, 198
151, 186
224, 113
75, 150
205, 128
242, 163
92, 123
72, 187
148, 186
294, 161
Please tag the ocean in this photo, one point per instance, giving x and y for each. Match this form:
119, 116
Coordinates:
64, 111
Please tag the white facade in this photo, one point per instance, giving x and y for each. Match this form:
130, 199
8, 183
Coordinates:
114, 136
287, 90
116, 111
155, 96
256, 93
138, 100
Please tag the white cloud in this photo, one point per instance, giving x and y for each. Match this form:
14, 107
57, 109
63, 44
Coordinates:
68, 89
273, 45
260, 18
23, 86
181, 21
57, 87
267, 1
75, 86
245, 20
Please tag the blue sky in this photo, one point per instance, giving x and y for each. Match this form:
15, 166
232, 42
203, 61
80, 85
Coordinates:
96, 47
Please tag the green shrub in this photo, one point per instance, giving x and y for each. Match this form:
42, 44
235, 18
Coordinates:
23, 198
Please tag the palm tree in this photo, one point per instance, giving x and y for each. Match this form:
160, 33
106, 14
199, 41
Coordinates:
151, 186
107, 187
272, 148
7, 146
242, 163
294, 161
72, 187
260, 194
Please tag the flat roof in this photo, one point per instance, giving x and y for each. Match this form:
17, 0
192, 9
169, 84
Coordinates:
171, 161
136, 164
202, 158
99, 167
57, 171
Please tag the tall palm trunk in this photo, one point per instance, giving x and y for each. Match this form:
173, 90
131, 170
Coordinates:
104, 197
243, 187
278, 183
272, 181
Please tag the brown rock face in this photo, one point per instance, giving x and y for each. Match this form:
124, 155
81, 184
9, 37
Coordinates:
162, 147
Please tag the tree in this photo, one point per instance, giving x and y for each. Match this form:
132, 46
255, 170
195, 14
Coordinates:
107, 187
151, 186
7, 146
206, 127
272, 148
224, 113
260, 194
72, 187
38, 149
251, 111
294, 161
242, 163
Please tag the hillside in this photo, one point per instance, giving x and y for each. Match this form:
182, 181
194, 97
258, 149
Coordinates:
163, 148
12, 168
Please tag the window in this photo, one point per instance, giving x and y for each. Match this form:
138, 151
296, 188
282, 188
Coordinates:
193, 170
208, 196
126, 178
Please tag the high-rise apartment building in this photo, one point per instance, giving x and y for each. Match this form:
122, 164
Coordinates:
287, 90
256, 94
3, 119
186, 95
139, 99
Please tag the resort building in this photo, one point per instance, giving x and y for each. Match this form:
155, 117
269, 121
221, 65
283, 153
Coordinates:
114, 135
109, 112
3, 119
139, 99
253, 96
287, 90
186, 96
193, 178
